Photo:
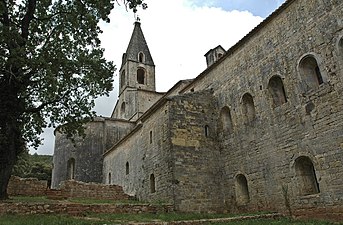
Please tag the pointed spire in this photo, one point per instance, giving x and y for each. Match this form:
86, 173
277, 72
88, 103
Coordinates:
138, 44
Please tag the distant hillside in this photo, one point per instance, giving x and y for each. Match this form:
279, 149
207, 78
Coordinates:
36, 166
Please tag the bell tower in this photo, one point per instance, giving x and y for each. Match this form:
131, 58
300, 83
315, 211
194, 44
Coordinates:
136, 76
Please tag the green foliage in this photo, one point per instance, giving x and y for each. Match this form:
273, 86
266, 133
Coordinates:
45, 220
281, 221
35, 166
52, 68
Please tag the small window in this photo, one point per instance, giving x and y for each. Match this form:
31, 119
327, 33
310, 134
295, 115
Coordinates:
220, 55
150, 137
152, 184
207, 131
340, 49
242, 190
71, 168
310, 72
122, 108
248, 109
277, 91
141, 76
127, 168
122, 78
306, 176
141, 57
226, 126
109, 178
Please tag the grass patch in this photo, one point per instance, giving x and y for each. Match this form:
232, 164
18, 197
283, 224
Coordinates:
280, 221
124, 218
165, 217
46, 220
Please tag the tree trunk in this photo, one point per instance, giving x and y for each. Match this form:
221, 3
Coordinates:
5, 175
8, 154
11, 141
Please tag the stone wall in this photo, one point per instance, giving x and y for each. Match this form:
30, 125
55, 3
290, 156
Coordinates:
144, 152
26, 186
261, 152
77, 189
196, 157
79, 209
83, 159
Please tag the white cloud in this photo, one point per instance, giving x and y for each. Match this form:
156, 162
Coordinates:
178, 35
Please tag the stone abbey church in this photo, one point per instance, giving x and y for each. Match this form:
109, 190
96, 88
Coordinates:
263, 123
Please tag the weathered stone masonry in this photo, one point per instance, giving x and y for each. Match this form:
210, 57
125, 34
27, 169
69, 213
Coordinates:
261, 125
308, 125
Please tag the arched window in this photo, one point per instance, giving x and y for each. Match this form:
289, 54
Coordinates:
277, 91
109, 178
122, 78
225, 125
340, 49
127, 168
71, 168
310, 72
141, 76
242, 191
152, 184
207, 130
141, 57
150, 137
122, 108
306, 176
248, 107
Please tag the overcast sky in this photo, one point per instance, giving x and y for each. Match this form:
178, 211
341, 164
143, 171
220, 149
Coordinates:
178, 34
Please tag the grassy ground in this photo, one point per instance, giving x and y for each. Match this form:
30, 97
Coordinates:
93, 218
124, 218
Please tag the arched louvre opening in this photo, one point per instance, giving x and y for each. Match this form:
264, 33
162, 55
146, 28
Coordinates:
141, 76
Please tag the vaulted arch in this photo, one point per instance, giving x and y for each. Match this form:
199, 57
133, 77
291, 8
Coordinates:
242, 190
248, 107
306, 176
225, 121
277, 91
310, 72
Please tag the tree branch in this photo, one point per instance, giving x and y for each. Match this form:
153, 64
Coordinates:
51, 16
25, 23
5, 17
41, 106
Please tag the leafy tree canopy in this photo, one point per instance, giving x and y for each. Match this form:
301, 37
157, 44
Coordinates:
51, 66
33, 166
